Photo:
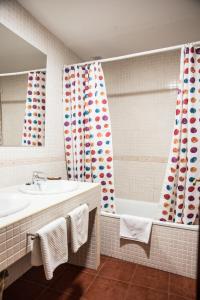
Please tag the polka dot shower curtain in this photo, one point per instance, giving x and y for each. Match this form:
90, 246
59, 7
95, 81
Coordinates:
180, 198
34, 119
87, 129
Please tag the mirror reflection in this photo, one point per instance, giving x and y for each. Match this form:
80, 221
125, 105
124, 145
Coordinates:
22, 92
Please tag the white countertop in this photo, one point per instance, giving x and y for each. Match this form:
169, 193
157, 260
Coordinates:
40, 202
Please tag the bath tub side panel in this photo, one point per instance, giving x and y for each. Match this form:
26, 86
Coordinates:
170, 249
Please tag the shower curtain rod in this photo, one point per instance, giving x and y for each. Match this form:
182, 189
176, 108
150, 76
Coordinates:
117, 58
21, 73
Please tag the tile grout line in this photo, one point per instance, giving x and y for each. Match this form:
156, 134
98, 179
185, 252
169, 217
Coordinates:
114, 279
92, 281
97, 275
130, 281
118, 280
150, 288
136, 267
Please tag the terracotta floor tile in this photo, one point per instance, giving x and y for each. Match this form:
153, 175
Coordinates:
54, 295
91, 271
36, 274
23, 290
182, 286
114, 280
106, 289
151, 278
176, 297
73, 281
142, 293
117, 269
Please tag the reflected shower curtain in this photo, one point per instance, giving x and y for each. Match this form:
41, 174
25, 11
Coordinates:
180, 198
87, 129
34, 119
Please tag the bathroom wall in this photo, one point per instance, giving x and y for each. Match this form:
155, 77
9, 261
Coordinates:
13, 91
16, 163
142, 107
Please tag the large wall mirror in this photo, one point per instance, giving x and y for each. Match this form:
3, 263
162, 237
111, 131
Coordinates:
22, 92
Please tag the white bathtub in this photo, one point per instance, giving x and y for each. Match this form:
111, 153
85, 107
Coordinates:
143, 209
172, 247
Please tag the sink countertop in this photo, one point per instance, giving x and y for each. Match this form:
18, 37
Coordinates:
41, 202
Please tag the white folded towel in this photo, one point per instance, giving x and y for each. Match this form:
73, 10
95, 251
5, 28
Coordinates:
51, 247
135, 228
79, 218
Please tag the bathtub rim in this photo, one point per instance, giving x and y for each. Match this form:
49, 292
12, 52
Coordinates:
157, 222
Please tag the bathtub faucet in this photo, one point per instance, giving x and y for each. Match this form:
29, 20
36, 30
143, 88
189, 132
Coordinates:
195, 181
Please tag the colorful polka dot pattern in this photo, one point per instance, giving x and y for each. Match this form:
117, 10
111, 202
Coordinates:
180, 199
87, 129
34, 120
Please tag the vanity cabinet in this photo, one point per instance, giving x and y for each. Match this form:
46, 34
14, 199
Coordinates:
15, 243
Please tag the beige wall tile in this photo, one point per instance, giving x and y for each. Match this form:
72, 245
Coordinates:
142, 109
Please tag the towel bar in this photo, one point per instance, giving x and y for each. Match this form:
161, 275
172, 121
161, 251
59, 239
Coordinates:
35, 235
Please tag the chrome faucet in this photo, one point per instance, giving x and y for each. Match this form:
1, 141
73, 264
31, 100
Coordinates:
38, 177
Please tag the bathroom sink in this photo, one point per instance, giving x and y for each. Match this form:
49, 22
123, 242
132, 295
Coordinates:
11, 203
49, 187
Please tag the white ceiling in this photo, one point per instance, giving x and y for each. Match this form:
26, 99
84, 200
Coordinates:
116, 27
18, 55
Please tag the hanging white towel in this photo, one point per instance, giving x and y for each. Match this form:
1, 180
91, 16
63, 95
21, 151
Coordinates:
135, 228
79, 218
51, 247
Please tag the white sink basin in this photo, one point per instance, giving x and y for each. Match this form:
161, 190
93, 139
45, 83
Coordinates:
49, 187
11, 203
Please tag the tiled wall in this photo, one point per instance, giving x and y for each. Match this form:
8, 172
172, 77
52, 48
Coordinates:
142, 109
17, 164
